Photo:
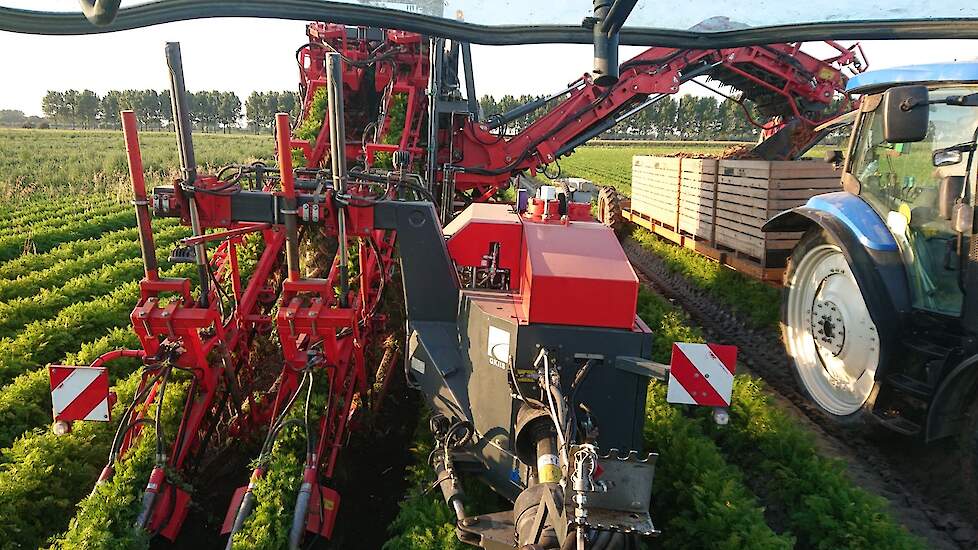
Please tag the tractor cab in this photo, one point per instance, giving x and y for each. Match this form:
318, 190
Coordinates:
918, 187
877, 317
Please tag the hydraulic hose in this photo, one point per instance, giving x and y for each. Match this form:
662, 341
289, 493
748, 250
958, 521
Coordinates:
247, 504
309, 477
158, 476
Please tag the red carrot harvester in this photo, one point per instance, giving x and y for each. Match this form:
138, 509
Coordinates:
522, 331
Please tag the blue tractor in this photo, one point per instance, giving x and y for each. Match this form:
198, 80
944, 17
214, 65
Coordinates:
880, 312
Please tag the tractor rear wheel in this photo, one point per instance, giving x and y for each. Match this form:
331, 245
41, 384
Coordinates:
827, 328
609, 208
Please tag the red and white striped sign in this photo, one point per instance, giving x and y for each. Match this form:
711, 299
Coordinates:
702, 374
80, 393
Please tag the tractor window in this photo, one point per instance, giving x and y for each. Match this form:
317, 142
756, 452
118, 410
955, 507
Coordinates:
901, 183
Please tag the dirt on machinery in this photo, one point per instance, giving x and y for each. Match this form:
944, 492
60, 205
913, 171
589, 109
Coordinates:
734, 152
917, 480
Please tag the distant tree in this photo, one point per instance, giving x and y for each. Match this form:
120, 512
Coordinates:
71, 107
271, 107
148, 109
111, 107
296, 110
205, 109
88, 108
12, 117
128, 100
707, 112
668, 116
166, 107
53, 105
229, 109
259, 108
254, 113
487, 104
686, 124
286, 103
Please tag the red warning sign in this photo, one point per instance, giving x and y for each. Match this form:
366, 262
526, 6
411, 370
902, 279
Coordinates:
702, 374
80, 393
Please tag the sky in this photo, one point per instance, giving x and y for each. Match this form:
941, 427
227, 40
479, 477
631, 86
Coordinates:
243, 55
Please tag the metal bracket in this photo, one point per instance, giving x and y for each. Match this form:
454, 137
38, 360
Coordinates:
310, 212
643, 367
619, 497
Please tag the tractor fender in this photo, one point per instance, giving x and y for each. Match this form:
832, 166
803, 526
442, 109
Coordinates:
945, 416
872, 254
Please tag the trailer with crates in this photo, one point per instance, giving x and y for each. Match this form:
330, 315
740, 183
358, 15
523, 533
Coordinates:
718, 207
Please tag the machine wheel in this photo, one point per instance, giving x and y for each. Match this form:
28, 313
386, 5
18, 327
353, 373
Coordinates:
609, 208
827, 328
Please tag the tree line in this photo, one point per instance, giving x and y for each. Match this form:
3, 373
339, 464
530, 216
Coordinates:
686, 117
210, 111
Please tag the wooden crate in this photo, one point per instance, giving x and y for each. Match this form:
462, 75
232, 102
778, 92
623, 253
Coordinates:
724, 203
697, 196
750, 192
655, 187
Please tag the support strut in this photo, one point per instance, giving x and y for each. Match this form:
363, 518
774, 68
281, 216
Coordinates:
337, 153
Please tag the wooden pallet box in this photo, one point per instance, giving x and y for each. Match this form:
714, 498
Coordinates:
655, 188
724, 203
697, 196
750, 192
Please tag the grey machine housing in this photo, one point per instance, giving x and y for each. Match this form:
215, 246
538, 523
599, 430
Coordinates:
465, 347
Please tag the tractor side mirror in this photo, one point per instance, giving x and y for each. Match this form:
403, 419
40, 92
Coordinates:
905, 114
948, 194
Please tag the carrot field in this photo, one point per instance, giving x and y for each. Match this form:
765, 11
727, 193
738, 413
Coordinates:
69, 266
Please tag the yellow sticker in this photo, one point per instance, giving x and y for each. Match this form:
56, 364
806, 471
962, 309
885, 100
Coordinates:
905, 211
549, 473
548, 468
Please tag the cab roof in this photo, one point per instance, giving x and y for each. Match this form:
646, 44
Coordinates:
872, 81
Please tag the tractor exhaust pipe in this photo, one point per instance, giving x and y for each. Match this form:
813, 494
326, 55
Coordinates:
337, 154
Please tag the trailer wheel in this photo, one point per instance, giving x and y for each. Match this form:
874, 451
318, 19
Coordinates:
827, 328
609, 208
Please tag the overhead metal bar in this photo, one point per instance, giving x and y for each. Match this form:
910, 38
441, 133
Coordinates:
617, 15
156, 13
